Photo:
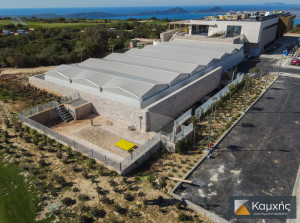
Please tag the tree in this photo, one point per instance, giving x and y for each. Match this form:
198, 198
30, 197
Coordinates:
97, 213
112, 44
153, 36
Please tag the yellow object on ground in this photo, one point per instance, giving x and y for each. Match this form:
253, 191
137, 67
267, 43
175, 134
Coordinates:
123, 144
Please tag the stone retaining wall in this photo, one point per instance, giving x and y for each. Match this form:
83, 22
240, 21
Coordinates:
102, 106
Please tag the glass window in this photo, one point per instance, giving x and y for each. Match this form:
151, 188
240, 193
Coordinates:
233, 31
199, 29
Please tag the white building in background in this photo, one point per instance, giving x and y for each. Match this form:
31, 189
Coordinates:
256, 32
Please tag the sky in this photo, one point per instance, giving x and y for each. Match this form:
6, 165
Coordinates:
122, 3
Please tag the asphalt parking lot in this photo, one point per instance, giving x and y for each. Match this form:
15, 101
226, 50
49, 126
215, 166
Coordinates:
259, 157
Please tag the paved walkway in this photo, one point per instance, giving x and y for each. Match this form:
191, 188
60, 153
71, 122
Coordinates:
259, 157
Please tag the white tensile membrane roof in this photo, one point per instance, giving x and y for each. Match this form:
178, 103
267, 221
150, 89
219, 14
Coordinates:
140, 74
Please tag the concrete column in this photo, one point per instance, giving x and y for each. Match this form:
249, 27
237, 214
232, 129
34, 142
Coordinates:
190, 29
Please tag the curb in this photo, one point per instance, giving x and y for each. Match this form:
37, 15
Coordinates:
193, 206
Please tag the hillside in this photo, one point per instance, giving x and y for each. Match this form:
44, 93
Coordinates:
89, 15
176, 10
212, 9
274, 4
95, 15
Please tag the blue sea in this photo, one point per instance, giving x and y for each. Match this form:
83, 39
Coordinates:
125, 10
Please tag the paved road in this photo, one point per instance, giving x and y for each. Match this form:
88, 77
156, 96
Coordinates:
263, 64
260, 156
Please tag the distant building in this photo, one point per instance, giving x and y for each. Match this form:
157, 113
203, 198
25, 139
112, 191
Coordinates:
256, 30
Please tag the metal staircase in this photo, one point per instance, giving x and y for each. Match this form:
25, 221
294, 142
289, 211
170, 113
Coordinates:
63, 112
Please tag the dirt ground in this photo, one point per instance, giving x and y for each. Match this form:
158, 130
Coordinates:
103, 139
26, 70
102, 136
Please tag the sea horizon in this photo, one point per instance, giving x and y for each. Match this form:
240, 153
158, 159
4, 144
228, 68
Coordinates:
126, 10
139, 9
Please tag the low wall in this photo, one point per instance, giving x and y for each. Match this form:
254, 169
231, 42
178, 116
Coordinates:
45, 116
102, 106
80, 111
188, 95
235, 40
166, 36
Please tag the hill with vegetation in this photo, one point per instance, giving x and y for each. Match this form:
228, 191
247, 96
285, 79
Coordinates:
274, 4
94, 15
212, 9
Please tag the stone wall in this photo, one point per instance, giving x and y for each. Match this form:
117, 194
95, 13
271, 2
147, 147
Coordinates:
45, 116
80, 111
102, 106
178, 101
235, 40
166, 36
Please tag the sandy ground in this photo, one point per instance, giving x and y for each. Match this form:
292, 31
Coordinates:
26, 70
102, 135
104, 139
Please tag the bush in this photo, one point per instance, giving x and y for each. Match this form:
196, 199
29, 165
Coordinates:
42, 163
118, 209
183, 217
141, 194
67, 201
170, 164
60, 180
74, 167
98, 213
178, 205
112, 183
128, 197
83, 197
85, 174
100, 190
162, 184
106, 200
59, 154
64, 159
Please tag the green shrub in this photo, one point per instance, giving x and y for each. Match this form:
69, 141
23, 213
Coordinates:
67, 201
128, 196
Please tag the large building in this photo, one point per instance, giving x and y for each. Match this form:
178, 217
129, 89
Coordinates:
166, 79
256, 30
